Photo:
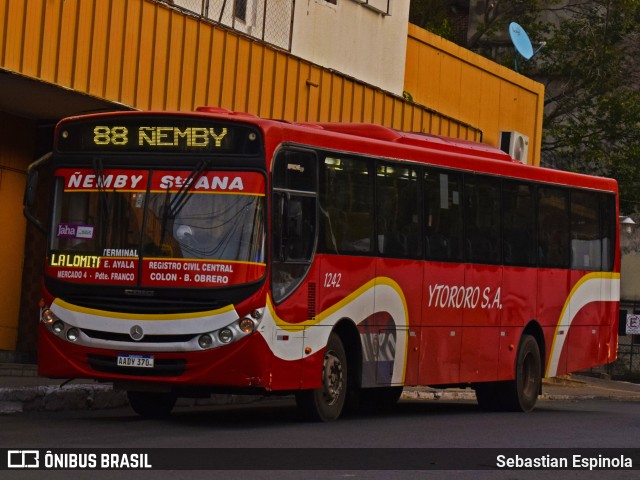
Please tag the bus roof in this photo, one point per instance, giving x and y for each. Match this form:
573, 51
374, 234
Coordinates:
422, 140
370, 139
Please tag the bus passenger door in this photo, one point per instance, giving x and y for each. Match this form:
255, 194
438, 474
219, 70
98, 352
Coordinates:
294, 273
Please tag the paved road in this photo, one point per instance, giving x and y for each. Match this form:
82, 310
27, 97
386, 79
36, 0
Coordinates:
454, 425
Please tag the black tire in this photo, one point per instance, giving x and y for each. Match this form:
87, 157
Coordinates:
152, 404
490, 395
325, 404
380, 399
520, 394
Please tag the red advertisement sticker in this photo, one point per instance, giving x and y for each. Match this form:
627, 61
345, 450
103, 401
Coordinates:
243, 183
162, 272
87, 180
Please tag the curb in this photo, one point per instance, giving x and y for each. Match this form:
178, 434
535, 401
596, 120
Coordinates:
54, 398
462, 395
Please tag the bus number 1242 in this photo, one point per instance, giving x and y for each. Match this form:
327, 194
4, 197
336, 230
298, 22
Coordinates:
332, 280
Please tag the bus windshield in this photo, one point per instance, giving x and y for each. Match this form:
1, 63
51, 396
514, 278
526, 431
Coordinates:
158, 227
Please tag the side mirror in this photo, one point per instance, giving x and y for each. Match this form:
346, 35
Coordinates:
31, 190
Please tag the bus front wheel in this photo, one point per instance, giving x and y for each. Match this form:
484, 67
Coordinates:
325, 404
151, 404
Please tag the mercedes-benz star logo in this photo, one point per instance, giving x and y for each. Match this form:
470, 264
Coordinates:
136, 333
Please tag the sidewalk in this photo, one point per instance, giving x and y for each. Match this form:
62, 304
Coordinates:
21, 390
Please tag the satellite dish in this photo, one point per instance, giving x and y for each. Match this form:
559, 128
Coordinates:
521, 40
521, 43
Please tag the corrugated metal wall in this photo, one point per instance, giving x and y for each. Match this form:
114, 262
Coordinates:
149, 56
473, 89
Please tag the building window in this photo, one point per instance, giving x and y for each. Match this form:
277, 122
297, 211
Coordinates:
240, 9
380, 6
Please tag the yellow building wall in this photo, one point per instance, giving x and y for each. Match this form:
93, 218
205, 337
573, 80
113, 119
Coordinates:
147, 55
16, 138
474, 90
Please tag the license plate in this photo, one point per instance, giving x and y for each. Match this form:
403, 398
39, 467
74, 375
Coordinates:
135, 361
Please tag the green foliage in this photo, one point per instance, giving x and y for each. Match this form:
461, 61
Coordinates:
592, 84
592, 101
433, 15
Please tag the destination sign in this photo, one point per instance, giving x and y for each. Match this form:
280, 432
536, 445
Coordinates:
108, 269
156, 134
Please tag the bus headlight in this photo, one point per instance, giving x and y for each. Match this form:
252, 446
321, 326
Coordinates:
73, 334
58, 327
48, 317
205, 341
225, 335
247, 325
232, 332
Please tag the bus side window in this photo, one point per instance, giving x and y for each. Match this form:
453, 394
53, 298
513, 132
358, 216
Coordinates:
518, 220
443, 215
586, 244
397, 211
346, 206
293, 219
553, 227
608, 230
482, 219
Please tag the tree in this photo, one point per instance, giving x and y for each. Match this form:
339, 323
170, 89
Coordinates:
435, 16
592, 83
592, 102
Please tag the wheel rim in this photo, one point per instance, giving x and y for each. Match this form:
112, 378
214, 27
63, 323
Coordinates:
333, 378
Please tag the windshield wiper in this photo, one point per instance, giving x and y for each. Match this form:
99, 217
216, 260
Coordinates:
182, 195
172, 207
103, 199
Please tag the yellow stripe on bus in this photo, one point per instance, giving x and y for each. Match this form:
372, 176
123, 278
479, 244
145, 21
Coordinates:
141, 316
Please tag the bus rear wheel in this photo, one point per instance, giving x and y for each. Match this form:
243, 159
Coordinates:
380, 399
152, 404
520, 394
325, 404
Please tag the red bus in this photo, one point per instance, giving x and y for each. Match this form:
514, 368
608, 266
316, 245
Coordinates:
204, 252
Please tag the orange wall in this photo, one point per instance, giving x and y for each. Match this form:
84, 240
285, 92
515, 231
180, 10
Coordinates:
473, 89
146, 55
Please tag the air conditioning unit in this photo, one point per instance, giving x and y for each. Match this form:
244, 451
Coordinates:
515, 144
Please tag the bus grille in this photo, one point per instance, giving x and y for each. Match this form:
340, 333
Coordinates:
124, 337
142, 305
